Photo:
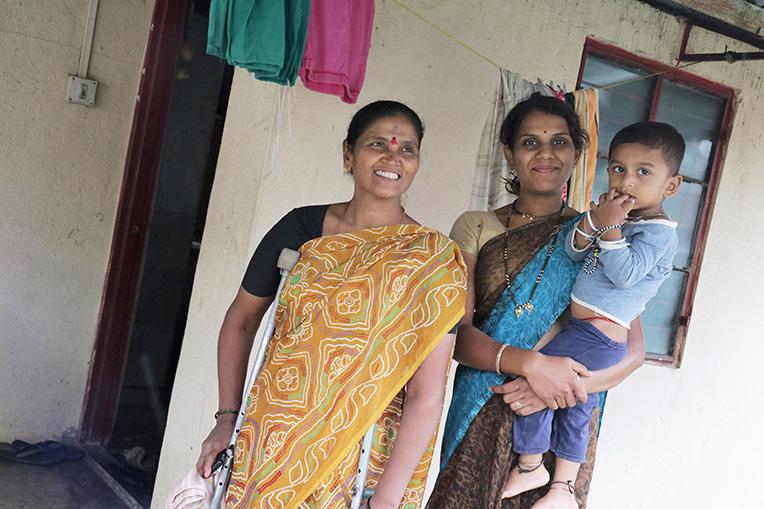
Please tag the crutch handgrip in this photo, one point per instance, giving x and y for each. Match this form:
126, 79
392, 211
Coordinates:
287, 259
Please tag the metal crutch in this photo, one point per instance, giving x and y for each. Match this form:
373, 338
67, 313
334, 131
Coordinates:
359, 492
287, 260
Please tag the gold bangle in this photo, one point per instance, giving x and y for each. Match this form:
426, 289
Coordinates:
497, 362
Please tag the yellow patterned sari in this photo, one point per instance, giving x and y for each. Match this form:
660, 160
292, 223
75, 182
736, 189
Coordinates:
356, 318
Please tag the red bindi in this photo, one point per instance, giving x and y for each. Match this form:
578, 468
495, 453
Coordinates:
394, 141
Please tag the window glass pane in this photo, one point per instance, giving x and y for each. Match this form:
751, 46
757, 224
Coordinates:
658, 319
697, 116
619, 106
684, 208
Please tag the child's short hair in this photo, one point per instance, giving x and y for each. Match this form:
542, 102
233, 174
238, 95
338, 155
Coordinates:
656, 135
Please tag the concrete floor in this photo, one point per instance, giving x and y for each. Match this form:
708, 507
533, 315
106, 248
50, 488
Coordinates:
69, 485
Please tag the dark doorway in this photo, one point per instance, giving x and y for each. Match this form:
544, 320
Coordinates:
186, 171
154, 308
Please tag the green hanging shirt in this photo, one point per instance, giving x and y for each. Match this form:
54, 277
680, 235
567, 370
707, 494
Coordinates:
265, 37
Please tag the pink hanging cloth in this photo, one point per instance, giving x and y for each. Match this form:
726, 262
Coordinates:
339, 37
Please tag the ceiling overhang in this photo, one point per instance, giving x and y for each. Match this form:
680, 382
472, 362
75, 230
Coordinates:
738, 19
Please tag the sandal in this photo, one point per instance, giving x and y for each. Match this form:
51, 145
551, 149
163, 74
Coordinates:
71, 452
47, 452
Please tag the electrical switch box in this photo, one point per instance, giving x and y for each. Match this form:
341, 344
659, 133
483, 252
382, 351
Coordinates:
81, 90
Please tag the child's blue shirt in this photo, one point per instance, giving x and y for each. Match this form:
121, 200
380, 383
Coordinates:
629, 272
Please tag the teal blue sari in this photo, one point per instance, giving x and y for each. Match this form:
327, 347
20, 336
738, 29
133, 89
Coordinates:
552, 297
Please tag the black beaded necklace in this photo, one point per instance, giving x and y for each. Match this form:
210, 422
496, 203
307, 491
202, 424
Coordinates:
553, 234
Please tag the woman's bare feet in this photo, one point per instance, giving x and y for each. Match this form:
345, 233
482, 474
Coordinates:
559, 496
525, 477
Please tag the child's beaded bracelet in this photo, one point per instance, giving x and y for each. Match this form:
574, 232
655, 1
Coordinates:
607, 229
596, 232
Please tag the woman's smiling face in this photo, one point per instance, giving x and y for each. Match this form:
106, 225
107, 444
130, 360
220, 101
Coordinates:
385, 157
543, 154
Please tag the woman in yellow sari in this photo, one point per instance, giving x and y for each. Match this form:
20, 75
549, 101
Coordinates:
364, 335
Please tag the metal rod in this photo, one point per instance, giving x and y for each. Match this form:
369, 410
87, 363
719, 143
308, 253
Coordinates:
87, 41
708, 22
363, 468
727, 56
685, 39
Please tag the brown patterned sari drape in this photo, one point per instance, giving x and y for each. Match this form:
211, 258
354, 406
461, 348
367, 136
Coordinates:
475, 474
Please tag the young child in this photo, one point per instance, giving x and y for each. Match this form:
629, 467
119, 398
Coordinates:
628, 244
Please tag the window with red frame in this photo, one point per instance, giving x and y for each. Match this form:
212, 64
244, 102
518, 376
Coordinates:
632, 89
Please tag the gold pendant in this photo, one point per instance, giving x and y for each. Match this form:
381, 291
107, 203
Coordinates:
529, 307
519, 311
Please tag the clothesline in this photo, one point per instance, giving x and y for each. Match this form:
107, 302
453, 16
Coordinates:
447, 34
639, 78
483, 57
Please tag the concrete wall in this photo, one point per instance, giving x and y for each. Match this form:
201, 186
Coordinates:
672, 438
60, 172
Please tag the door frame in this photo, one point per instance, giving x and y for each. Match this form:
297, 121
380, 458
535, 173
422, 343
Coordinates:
136, 199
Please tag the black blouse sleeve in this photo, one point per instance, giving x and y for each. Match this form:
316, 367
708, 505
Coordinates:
293, 230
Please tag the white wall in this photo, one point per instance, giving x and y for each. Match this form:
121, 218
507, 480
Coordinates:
60, 172
672, 438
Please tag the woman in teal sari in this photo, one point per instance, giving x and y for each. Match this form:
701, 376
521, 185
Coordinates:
519, 289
